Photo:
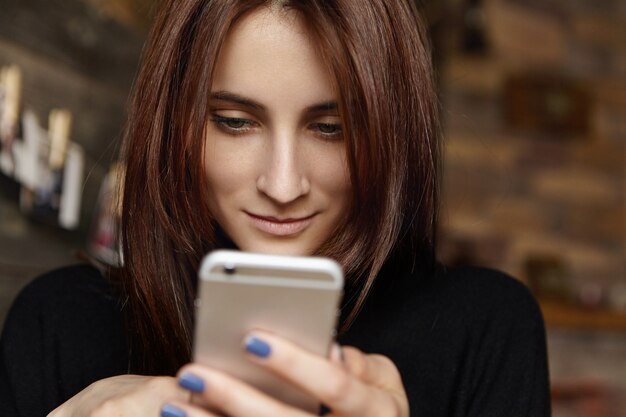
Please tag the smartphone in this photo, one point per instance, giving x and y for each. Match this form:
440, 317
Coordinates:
296, 298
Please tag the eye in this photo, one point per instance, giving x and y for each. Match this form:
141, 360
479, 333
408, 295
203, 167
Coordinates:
232, 125
327, 130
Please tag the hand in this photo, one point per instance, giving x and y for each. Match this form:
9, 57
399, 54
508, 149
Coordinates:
122, 396
358, 385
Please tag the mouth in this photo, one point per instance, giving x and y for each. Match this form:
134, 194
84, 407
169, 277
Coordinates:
280, 226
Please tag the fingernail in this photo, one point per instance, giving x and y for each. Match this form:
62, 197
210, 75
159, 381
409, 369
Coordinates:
169, 410
191, 382
337, 353
258, 347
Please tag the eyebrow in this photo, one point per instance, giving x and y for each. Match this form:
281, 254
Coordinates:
236, 99
246, 102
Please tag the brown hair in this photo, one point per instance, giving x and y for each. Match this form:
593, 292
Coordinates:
378, 53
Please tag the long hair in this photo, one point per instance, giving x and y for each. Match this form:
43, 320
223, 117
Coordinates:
379, 56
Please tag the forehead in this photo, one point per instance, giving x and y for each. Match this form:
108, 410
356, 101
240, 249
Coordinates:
271, 50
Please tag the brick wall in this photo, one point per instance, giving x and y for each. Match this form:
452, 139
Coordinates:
515, 192
512, 193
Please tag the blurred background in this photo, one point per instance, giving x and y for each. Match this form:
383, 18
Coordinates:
533, 98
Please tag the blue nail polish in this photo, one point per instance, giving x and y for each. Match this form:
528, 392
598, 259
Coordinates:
169, 410
258, 347
191, 382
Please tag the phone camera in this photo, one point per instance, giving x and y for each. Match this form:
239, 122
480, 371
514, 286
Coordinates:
229, 269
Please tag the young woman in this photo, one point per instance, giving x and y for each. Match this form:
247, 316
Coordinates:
303, 127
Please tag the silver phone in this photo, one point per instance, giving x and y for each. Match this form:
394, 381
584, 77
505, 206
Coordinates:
294, 297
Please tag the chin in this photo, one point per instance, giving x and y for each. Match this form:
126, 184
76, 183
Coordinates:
278, 248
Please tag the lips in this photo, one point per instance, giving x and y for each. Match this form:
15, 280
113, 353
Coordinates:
280, 226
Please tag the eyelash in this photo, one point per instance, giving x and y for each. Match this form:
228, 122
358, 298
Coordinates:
336, 134
245, 125
223, 124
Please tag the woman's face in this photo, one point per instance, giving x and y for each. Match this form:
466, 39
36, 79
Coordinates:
274, 154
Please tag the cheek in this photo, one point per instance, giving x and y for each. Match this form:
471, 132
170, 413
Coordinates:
226, 169
218, 175
333, 174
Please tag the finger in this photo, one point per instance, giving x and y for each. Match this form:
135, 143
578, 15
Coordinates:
166, 387
220, 391
377, 370
341, 391
180, 409
336, 355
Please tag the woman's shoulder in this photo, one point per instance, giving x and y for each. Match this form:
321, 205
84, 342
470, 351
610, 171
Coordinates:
64, 330
457, 333
496, 326
64, 289
67, 296
481, 286
456, 288
457, 305
79, 277
62, 294
477, 297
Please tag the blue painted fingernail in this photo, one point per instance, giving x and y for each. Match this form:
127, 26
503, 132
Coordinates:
191, 382
169, 410
258, 347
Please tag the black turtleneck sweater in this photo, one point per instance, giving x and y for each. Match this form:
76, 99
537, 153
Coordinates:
468, 342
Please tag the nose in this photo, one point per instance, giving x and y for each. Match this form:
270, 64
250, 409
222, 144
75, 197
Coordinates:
283, 178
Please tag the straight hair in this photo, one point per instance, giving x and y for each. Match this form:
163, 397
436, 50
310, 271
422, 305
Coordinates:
378, 53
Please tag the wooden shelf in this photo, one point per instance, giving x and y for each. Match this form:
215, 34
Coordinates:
565, 316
